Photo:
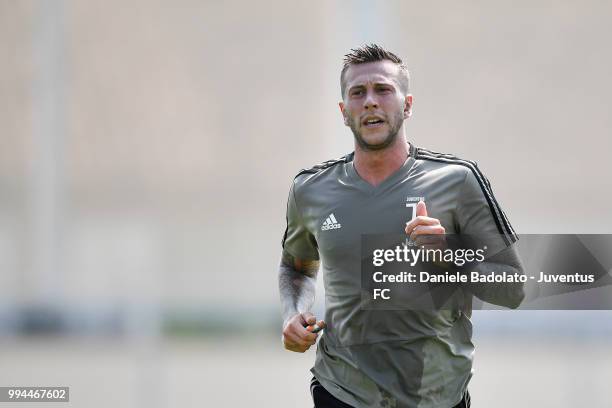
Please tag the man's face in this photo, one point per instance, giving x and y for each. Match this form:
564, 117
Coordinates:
374, 106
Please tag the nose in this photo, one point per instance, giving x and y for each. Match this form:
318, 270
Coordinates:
370, 101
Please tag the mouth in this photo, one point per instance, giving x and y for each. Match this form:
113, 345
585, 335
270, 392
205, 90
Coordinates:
372, 122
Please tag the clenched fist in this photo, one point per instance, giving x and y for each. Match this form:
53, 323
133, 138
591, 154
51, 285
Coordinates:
298, 333
424, 230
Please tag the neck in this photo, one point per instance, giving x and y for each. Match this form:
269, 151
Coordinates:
374, 166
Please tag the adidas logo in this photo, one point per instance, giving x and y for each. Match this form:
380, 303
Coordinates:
330, 223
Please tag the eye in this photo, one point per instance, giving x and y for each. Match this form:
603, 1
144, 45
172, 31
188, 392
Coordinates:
384, 90
357, 92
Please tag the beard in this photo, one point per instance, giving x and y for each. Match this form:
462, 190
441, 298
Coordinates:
395, 123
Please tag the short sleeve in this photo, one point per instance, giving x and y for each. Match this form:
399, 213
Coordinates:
480, 215
298, 240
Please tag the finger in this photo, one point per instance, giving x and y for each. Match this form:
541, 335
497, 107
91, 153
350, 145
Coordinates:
430, 242
301, 334
426, 239
298, 340
421, 220
424, 231
436, 241
291, 338
295, 336
289, 344
421, 209
297, 333
310, 338
317, 327
313, 328
308, 318
428, 230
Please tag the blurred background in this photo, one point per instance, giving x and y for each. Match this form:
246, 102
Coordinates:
146, 152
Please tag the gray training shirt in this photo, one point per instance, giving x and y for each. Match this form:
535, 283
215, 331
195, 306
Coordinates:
382, 358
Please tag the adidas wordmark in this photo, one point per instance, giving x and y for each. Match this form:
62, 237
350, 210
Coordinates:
330, 223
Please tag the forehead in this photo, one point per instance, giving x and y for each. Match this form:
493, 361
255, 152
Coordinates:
372, 72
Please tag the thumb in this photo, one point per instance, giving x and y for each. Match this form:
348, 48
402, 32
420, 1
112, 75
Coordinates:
309, 318
421, 209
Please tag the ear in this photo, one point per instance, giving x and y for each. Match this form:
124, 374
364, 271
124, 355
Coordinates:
407, 106
345, 118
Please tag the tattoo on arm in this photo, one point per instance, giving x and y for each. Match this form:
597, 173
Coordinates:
296, 281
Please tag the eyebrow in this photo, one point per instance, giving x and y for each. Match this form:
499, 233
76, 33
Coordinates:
376, 84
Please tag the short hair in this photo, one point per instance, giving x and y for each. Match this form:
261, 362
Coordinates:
373, 53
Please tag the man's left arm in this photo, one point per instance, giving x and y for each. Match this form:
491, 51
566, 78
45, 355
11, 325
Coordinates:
478, 215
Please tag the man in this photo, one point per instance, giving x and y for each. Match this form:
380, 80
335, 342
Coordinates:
401, 358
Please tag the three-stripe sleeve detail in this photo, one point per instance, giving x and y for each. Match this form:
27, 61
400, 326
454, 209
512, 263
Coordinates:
503, 225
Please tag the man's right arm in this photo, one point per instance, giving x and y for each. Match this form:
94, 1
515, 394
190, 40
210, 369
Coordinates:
297, 282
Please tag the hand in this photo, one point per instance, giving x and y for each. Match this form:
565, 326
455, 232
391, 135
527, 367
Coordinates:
297, 333
426, 231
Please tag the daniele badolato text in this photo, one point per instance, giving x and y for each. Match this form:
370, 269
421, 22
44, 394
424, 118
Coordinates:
444, 259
